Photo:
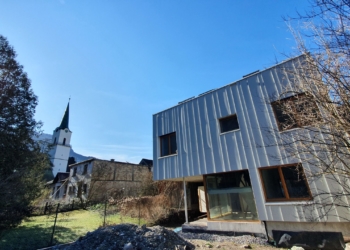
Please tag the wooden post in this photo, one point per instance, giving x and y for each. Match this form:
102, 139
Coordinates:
104, 218
139, 210
54, 224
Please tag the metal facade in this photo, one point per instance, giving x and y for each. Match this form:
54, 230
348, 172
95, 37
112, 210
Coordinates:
202, 149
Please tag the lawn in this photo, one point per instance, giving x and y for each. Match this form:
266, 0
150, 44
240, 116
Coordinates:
35, 232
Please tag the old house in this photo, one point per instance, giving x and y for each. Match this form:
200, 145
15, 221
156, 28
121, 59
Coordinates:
96, 179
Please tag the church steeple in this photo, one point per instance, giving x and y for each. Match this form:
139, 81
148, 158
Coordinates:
65, 120
61, 144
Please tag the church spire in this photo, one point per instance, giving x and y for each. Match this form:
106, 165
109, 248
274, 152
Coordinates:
65, 119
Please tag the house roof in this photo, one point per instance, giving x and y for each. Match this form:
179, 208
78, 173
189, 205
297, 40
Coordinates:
146, 162
111, 161
65, 119
235, 82
81, 162
60, 176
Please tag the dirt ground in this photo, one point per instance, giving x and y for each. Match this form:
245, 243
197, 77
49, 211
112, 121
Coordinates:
202, 244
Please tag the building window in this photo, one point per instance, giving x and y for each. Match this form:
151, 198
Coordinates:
65, 191
294, 112
85, 189
85, 169
64, 141
285, 183
74, 171
168, 144
229, 123
230, 196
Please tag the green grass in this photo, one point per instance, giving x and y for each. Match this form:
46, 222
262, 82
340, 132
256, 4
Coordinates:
35, 232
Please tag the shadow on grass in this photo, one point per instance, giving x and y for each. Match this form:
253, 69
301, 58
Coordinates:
35, 237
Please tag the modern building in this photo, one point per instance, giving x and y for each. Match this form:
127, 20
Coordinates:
216, 144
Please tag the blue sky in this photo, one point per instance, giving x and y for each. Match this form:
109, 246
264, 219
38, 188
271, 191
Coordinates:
123, 61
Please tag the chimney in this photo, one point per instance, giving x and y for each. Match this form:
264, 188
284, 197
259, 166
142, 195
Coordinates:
112, 160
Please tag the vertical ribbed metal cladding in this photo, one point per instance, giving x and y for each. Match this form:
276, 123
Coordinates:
203, 149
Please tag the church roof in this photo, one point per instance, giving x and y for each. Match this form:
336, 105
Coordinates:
65, 119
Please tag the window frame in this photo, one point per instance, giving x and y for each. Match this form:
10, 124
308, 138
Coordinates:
227, 118
284, 185
298, 123
169, 135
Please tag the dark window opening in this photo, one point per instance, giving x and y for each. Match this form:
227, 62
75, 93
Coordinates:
229, 123
54, 142
84, 188
85, 169
64, 141
285, 183
75, 171
168, 144
296, 111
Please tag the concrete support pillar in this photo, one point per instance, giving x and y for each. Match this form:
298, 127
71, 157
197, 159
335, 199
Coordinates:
185, 200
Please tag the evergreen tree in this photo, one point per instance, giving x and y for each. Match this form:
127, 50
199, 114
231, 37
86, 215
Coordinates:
22, 162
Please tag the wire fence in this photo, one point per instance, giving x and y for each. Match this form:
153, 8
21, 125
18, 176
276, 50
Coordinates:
59, 223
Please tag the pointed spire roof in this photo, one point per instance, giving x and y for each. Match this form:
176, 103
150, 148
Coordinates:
65, 119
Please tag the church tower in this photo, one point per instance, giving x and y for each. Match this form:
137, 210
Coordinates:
61, 145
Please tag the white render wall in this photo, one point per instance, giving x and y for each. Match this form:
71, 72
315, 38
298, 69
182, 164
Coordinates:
203, 150
60, 153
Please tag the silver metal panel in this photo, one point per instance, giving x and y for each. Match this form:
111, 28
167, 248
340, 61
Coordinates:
202, 149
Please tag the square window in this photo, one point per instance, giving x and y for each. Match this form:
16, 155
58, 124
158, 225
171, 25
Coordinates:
229, 123
285, 183
295, 111
168, 144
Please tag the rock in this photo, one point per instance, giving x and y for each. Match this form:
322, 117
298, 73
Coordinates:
128, 246
297, 248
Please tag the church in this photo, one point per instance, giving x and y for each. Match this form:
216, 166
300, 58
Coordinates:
73, 173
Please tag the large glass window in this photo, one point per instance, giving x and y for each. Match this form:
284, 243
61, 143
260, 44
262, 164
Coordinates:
229, 123
168, 144
285, 183
230, 196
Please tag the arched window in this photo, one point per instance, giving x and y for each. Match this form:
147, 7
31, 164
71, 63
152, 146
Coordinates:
64, 141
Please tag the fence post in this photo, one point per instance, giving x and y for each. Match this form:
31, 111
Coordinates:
54, 224
139, 211
45, 208
104, 218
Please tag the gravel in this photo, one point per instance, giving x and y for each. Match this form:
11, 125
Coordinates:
132, 237
240, 240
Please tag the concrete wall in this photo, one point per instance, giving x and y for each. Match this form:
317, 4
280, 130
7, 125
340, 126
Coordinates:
342, 227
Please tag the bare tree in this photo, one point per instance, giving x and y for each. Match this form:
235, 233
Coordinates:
318, 102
